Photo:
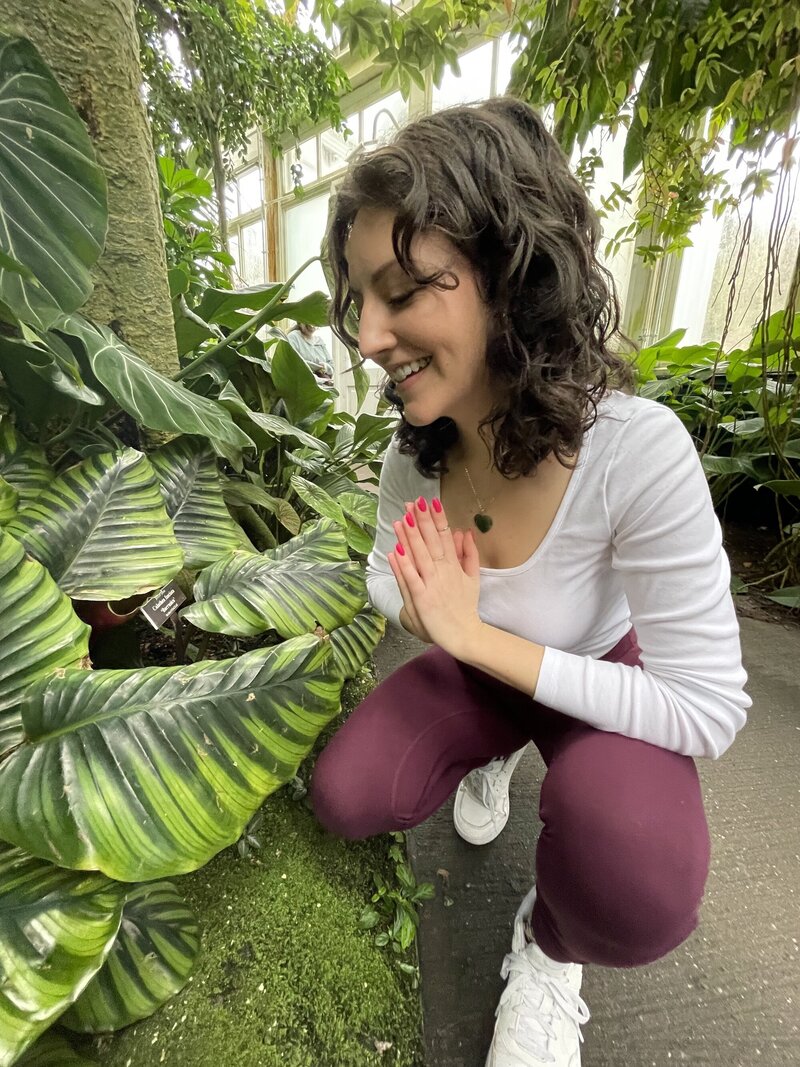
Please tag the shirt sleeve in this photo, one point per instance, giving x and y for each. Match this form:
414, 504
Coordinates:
666, 540
382, 588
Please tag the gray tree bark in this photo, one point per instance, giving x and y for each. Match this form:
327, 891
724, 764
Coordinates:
92, 48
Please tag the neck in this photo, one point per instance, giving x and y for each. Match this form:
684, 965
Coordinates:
472, 451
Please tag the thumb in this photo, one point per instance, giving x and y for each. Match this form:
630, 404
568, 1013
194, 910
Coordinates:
471, 563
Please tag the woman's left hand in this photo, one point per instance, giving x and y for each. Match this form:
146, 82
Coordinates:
438, 575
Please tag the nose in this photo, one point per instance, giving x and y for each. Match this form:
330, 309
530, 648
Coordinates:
376, 338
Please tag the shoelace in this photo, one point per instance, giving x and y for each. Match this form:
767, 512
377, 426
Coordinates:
536, 997
485, 787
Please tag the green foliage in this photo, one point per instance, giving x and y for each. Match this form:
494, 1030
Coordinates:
241, 66
53, 227
152, 958
56, 929
393, 910
405, 44
743, 409
194, 257
675, 74
146, 772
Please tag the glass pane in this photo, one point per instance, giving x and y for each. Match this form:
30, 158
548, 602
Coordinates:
231, 200
380, 120
252, 264
701, 301
334, 148
308, 165
251, 196
304, 227
506, 54
233, 245
475, 82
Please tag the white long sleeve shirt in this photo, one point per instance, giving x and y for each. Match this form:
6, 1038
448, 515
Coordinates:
636, 542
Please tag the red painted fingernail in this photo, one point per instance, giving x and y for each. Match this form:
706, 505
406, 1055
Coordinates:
421, 504
410, 519
437, 505
399, 549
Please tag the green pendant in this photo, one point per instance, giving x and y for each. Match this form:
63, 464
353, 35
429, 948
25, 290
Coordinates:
482, 521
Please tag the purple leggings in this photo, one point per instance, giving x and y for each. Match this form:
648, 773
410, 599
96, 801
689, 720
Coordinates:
623, 855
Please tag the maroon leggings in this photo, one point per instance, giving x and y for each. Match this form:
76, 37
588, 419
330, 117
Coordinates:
623, 855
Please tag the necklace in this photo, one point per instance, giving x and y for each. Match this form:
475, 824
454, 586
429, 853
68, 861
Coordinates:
482, 519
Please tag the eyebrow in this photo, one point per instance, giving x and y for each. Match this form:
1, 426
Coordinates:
378, 274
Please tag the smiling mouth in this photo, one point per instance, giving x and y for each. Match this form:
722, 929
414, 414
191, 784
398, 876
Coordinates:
410, 370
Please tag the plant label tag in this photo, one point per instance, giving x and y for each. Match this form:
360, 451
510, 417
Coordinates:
164, 604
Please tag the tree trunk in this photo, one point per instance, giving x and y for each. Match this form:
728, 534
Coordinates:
219, 191
92, 48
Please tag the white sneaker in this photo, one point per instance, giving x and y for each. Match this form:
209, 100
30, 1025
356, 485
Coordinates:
480, 810
540, 1012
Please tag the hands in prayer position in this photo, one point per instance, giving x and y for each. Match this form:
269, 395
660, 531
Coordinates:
438, 573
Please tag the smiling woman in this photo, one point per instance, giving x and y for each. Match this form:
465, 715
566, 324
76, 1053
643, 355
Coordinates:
429, 338
553, 538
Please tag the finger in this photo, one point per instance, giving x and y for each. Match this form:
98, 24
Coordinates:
409, 571
408, 534
428, 531
471, 563
439, 521
402, 585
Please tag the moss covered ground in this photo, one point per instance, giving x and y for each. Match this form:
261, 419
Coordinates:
286, 978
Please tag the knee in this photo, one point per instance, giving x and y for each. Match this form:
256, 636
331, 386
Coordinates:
349, 800
636, 848
333, 799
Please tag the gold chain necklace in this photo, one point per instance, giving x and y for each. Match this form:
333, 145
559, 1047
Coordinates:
483, 520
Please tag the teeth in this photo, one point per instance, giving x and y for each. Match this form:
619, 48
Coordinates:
401, 373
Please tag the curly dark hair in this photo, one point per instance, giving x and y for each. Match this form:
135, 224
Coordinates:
491, 179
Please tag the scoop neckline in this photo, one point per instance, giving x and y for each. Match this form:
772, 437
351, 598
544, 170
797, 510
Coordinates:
558, 518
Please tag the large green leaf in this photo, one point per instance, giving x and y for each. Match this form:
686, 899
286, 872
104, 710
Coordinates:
272, 425
246, 494
192, 487
316, 498
220, 306
56, 928
101, 528
39, 632
23, 464
354, 644
152, 399
296, 383
40, 383
9, 498
52, 1050
154, 954
361, 506
249, 594
289, 589
144, 774
53, 208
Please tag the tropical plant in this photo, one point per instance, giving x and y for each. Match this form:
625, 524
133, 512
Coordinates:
241, 66
743, 409
115, 779
190, 238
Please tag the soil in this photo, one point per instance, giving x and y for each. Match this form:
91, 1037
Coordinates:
748, 547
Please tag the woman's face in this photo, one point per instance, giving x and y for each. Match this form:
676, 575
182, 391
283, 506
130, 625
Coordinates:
441, 332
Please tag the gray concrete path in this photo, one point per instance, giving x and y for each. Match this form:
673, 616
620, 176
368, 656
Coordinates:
728, 997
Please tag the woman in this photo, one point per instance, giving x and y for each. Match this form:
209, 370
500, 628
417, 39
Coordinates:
552, 537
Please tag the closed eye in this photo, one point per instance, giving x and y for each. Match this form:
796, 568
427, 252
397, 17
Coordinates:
403, 298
